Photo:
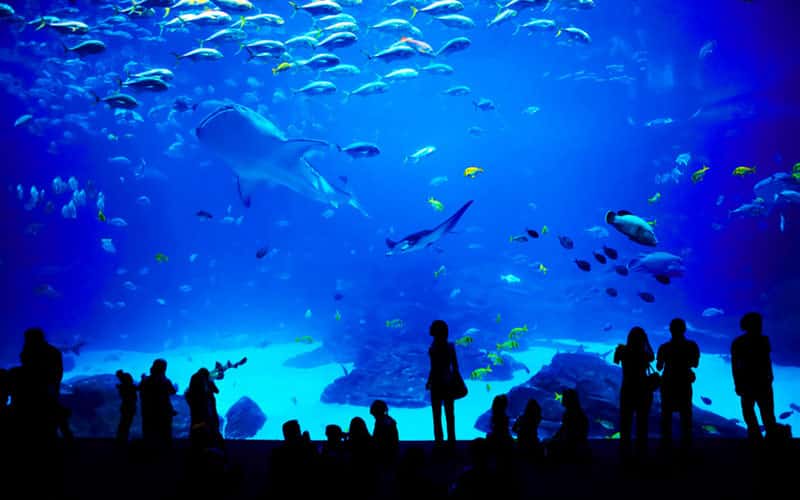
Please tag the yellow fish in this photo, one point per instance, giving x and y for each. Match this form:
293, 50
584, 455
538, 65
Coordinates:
497, 318
742, 171
508, 345
439, 271
700, 174
495, 358
281, 67
436, 204
542, 269
652, 223
101, 216
614, 436
394, 323
472, 172
161, 258
559, 397
517, 332
479, 373
654, 198
796, 171
710, 429
545, 230
305, 339
337, 316
464, 341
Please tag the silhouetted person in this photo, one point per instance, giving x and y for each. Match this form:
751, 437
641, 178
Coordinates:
294, 464
444, 367
39, 387
332, 462
157, 411
384, 432
201, 397
571, 441
360, 450
413, 480
635, 396
127, 390
526, 427
752, 374
676, 358
499, 435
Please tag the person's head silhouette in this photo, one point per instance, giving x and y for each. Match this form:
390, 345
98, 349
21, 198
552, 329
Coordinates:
334, 433
752, 323
291, 431
378, 408
677, 327
34, 337
637, 338
499, 404
159, 367
439, 330
569, 400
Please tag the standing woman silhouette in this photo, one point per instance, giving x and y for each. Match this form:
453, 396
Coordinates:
444, 367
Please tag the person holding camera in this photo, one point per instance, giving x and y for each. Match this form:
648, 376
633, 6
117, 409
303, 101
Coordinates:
676, 358
636, 393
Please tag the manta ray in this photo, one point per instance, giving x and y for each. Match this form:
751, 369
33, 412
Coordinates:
260, 153
427, 237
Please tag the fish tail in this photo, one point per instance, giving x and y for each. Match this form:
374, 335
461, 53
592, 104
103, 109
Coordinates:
414, 11
296, 7
161, 28
96, 97
166, 12
346, 97
241, 22
250, 54
41, 25
241, 48
516, 29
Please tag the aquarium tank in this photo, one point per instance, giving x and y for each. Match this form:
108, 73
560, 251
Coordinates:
297, 190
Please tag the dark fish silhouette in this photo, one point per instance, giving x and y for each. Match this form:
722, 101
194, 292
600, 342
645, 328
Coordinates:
600, 257
663, 279
204, 215
566, 242
338, 296
647, 297
612, 292
785, 415
705, 400
583, 265
610, 252
621, 270
532, 233
261, 252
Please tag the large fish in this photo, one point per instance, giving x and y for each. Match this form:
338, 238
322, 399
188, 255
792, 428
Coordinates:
259, 152
427, 237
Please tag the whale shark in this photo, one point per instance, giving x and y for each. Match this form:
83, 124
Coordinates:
260, 153
427, 237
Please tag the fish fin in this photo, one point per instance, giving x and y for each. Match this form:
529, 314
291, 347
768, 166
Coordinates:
296, 7
390, 243
245, 190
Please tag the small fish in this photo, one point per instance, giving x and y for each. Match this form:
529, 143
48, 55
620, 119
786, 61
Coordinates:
610, 253
663, 279
495, 358
307, 314
161, 258
700, 174
261, 252
440, 271
337, 296
705, 400
532, 233
394, 323
497, 318
472, 172
616, 435
517, 331
337, 316
479, 373
599, 257
559, 397
583, 265
785, 415
507, 345
566, 242
608, 327
101, 216
518, 238
710, 429
612, 292
712, 311
647, 297
204, 215
436, 204
542, 269
605, 424
305, 339
545, 230
621, 270
654, 199
464, 341
742, 171
488, 387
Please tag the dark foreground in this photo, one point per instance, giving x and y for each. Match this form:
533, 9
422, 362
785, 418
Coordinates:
716, 469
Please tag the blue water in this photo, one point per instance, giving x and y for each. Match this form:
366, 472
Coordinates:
585, 152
